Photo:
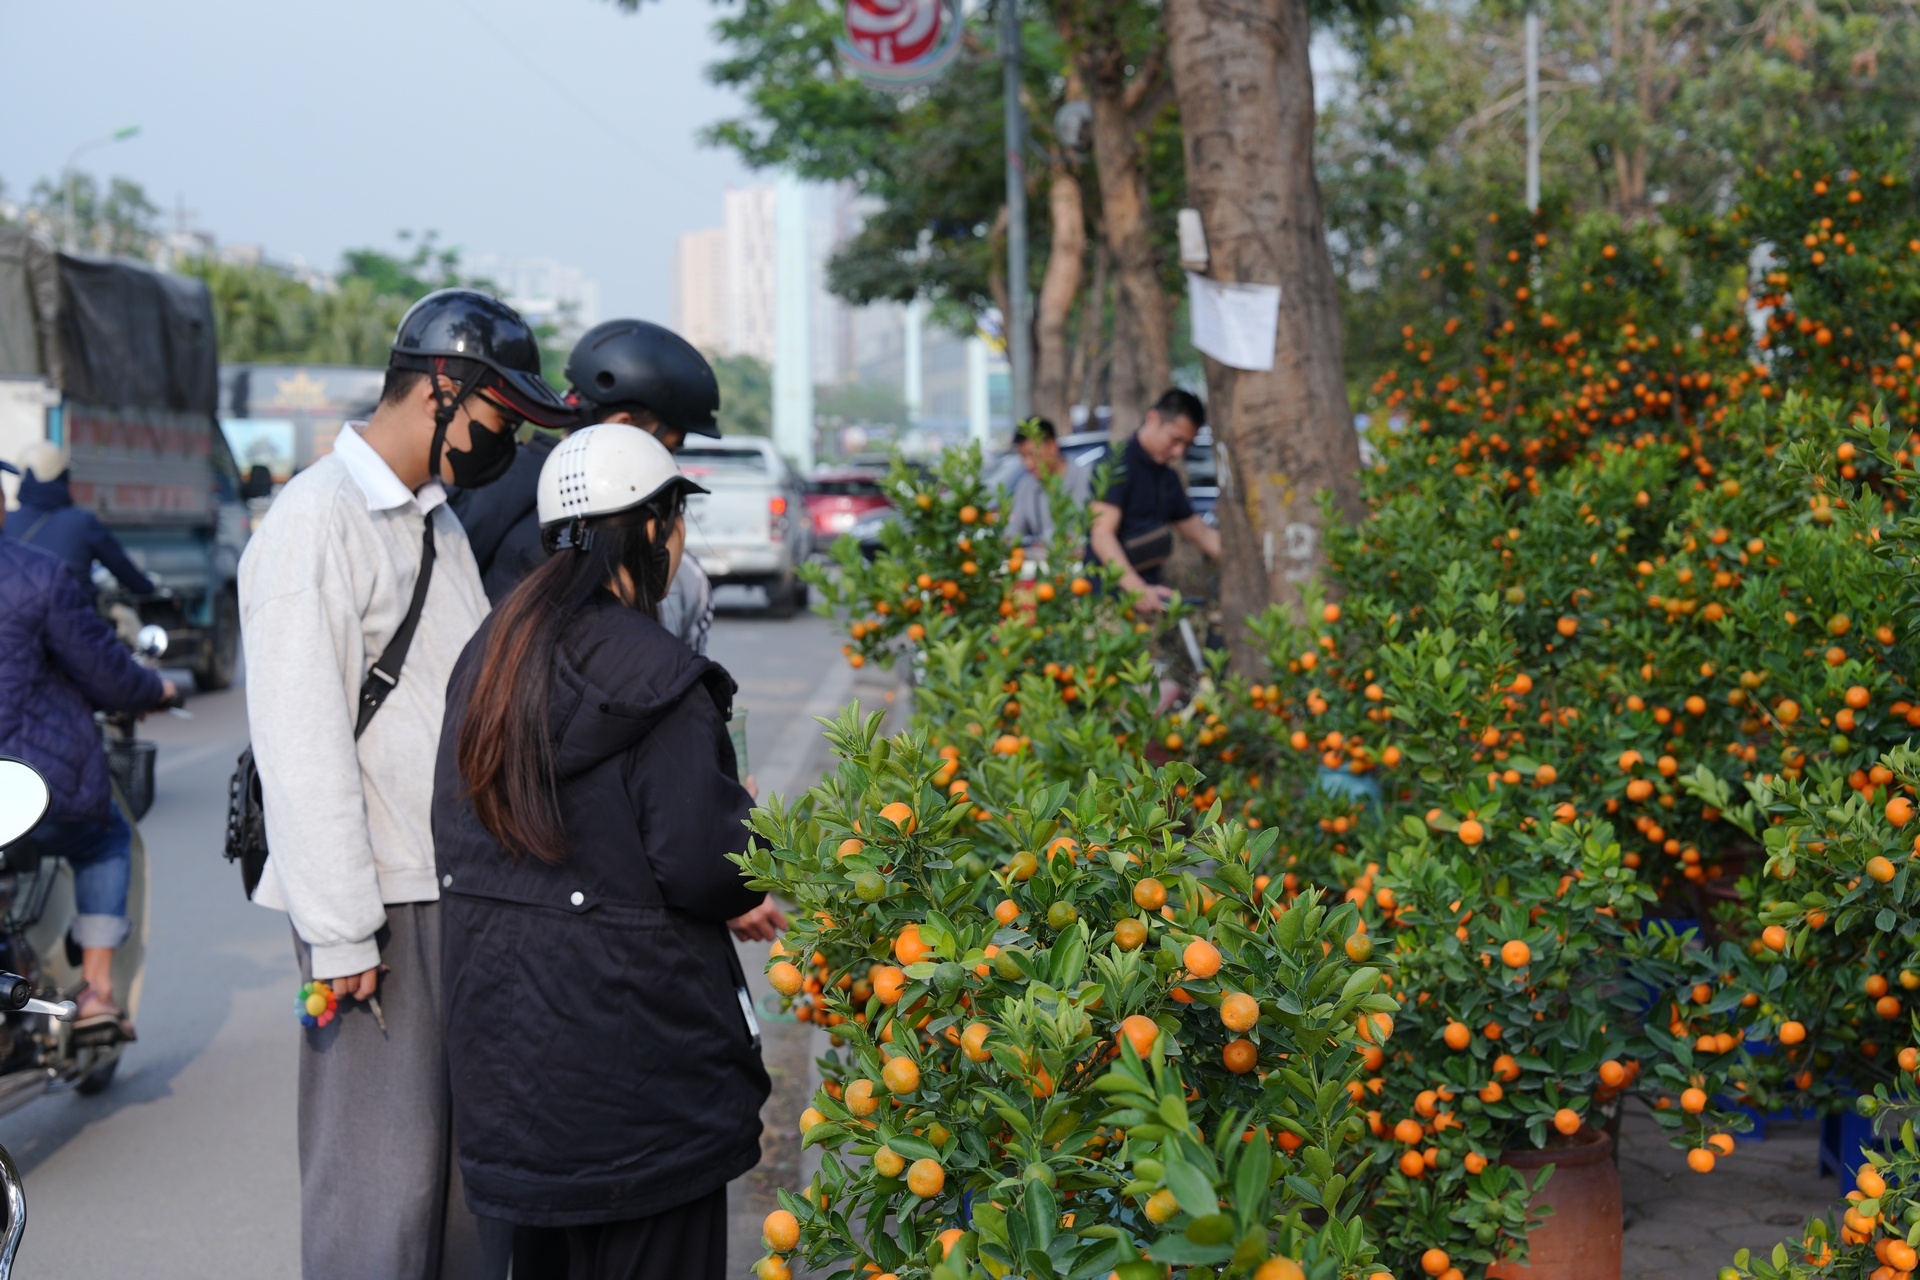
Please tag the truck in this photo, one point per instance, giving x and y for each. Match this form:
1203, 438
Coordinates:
118, 363
284, 416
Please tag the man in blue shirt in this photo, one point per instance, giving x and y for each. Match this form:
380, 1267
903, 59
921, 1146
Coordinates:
47, 519
1146, 504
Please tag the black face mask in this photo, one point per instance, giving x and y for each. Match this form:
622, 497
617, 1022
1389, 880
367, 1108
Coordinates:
488, 457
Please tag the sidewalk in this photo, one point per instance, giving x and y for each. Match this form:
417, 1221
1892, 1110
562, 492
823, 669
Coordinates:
788, 1047
1683, 1225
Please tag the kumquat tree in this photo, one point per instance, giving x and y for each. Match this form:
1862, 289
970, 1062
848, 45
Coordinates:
1052, 1064
1585, 766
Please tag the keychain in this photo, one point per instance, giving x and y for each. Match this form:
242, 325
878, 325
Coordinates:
318, 1004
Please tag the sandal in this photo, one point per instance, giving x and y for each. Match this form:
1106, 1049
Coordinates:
107, 1022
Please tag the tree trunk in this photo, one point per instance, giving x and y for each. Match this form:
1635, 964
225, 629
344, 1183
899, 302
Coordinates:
1090, 338
1143, 315
1066, 261
1246, 109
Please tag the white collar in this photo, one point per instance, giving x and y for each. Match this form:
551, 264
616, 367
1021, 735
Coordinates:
370, 471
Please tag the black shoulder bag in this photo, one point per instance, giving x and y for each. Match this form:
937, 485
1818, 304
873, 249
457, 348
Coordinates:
246, 811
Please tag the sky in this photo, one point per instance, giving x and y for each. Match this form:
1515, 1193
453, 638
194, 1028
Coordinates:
562, 129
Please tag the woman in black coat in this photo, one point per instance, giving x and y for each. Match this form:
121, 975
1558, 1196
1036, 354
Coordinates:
605, 1069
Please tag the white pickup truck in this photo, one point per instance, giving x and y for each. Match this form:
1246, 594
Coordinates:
751, 528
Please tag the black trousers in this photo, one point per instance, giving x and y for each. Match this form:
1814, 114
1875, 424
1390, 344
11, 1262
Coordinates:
688, 1242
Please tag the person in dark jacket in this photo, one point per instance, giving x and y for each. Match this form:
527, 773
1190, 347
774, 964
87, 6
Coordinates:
59, 660
48, 519
585, 801
624, 371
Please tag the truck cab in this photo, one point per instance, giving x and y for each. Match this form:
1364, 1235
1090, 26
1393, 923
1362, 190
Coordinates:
117, 363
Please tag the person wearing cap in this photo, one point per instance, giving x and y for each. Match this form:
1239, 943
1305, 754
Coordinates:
345, 760
621, 371
586, 800
47, 519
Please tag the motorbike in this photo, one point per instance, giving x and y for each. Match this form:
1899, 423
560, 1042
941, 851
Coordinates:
37, 909
130, 758
34, 1031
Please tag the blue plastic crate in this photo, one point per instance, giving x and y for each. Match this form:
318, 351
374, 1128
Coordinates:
1842, 1140
1761, 1119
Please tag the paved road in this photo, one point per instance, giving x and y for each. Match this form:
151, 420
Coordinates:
186, 1166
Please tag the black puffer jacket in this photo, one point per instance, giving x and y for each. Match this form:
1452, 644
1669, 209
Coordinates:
602, 1067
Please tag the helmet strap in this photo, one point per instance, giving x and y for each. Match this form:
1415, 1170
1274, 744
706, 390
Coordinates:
575, 535
446, 406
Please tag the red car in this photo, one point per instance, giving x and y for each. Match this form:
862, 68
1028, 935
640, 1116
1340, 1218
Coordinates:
836, 501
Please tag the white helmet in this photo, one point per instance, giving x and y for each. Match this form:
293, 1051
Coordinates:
44, 460
601, 471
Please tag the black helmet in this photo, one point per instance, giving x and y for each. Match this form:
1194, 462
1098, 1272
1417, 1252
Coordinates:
622, 362
450, 326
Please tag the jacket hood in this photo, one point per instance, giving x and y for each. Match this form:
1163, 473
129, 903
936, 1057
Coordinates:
616, 674
45, 494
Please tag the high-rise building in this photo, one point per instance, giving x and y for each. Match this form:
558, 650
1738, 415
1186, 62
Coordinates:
723, 286
748, 225
542, 290
700, 289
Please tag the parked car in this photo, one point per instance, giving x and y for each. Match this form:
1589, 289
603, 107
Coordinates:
751, 528
866, 530
836, 501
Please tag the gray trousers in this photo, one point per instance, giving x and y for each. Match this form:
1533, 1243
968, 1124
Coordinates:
380, 1194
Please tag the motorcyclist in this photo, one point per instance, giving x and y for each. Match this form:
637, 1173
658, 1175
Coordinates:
622, 371
59, 661
48, 519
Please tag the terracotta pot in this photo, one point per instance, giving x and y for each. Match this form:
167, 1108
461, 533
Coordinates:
1581, 1241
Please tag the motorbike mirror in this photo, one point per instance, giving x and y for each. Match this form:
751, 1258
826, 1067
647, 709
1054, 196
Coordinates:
258, 484
151, 641
23, 799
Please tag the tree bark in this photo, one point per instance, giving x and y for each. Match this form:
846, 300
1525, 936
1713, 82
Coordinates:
1285, 435
1090, 352
1143, 315
1059, 287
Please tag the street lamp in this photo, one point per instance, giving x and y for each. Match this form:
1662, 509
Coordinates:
118, 135
1533, 109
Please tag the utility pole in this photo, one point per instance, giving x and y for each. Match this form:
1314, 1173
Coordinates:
68, 237
1533, 109
1020, 323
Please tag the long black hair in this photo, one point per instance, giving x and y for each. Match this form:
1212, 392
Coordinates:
506, 747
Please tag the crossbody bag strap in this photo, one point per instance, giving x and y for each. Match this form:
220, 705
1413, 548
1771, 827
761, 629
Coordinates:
385, 674
34, 528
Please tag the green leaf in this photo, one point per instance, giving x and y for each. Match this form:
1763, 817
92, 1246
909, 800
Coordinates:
914, 1148
1180, 1250
1042, 1212
990, 1222
1189, 1186
1251, 1177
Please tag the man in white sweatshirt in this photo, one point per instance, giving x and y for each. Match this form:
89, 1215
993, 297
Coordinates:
345, 752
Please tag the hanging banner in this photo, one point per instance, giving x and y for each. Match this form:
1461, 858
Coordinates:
897, 44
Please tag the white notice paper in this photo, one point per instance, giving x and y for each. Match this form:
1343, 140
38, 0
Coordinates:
1236, 324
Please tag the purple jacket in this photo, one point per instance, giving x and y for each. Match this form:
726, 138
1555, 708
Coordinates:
59, 660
